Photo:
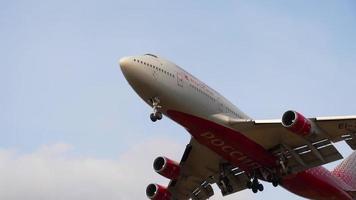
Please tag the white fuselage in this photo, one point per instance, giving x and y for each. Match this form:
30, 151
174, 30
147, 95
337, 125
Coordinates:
151, 76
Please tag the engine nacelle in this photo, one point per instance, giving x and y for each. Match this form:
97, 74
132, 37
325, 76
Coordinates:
297, 123
157, 192
166, 167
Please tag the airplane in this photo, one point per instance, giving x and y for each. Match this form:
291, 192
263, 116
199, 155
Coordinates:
234, 151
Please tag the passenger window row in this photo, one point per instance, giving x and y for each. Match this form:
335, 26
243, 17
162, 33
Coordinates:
154, 67
202, 92
231, 111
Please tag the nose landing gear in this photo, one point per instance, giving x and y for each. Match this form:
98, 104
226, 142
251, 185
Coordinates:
156, 115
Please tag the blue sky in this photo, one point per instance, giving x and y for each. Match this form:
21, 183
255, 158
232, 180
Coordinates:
65, 101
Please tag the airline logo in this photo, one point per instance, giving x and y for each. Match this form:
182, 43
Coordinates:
225, 149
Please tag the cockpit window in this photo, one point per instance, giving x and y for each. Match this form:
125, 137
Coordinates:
148, 54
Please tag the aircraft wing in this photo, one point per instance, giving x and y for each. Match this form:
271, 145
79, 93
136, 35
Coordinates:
200, 167
302, 152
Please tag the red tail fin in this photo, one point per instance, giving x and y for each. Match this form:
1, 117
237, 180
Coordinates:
346, 171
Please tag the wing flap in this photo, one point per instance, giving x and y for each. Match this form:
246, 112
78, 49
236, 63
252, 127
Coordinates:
203, 192
307, 156
351, 142
237, 180
339, 128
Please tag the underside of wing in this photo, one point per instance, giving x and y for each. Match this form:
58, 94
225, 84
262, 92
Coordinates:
303, 143
192, 178
339, 128
200, 168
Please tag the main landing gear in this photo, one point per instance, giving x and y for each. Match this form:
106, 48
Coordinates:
255, 185
156, 115
275, 182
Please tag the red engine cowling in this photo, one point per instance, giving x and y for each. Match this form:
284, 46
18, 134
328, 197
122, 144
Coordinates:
297, 123
166, 167
157, 192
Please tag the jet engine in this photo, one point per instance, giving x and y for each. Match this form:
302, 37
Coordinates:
157, 192
297, 123
166, 167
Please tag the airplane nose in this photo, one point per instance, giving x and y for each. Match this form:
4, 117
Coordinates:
124, 62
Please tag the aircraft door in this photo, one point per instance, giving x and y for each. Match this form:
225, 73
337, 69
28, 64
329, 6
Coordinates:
180, 79
220, 105
155, 74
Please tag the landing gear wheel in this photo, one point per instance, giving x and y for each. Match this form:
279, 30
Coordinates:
260, 187
254, 190
255, 185
158, 115
153, 117
275, 183
255, 182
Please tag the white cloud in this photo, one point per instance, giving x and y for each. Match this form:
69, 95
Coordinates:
51, 173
